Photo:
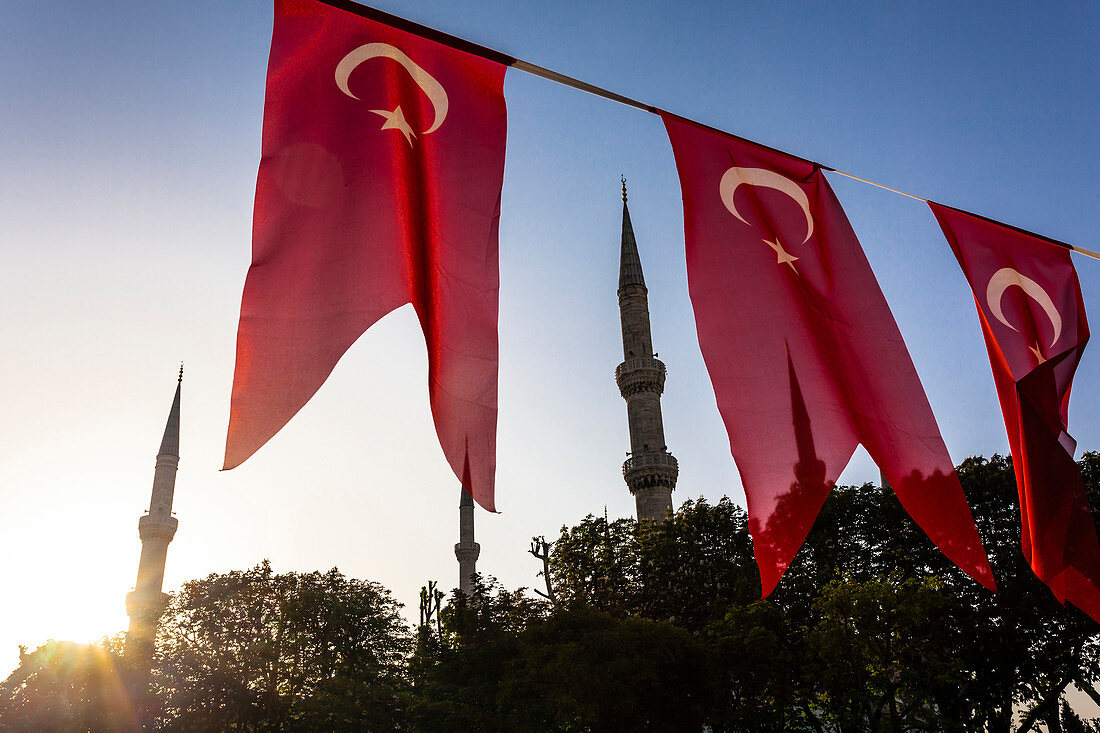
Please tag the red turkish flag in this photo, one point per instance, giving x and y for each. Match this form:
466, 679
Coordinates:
383, 160
803, 352
1033, 319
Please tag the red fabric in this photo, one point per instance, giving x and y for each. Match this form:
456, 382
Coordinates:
803, 352
1033, 318
354, 219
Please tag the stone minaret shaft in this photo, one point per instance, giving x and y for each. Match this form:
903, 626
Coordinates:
466, 550
156, 529
650, 471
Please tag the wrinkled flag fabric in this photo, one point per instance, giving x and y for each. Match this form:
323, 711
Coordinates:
1033, 320
379, 185
803, 352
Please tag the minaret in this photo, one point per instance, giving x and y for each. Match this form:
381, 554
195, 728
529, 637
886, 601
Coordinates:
650, 471
466, 550
156, 529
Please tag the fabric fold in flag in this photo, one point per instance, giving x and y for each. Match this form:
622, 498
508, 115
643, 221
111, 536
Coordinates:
803, 352
1033, 320
379, 185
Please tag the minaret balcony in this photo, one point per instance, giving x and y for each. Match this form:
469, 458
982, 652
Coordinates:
152, 527
467, 552
145, 605
646, 470
640, 374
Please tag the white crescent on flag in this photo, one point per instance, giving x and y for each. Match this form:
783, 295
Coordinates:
735, 177
395, 120
1005, 278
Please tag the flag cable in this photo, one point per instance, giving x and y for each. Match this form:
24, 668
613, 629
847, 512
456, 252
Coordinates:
879, 185
554, 76
1066, 245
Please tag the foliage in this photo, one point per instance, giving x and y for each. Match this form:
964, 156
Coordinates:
596, 563
688, 570
583, 670
505, 663
255, 650
880, 654
872, 628
63, 685
654, 627
456, 679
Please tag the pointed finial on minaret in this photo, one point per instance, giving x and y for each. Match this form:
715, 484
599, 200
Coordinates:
630, 265
180, 380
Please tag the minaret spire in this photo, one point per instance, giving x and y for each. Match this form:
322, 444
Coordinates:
650, 471
466, 551
630, 265
170, 443
156, 529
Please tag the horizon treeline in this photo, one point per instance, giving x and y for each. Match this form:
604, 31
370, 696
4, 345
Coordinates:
651, 627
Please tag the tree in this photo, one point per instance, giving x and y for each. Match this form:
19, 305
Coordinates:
597, 563
63, 685
687, 570
255, 650
507, 662
585, 670
654, 627
1023, 647
871, 628
881, 656
457, 678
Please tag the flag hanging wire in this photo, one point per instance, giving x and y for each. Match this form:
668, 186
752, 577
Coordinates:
1058, 243
583, 86
879, 185
502, 58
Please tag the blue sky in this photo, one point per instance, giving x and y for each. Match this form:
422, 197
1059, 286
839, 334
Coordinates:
129, 140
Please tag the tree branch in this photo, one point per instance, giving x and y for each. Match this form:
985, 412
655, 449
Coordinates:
811, 717
1033, 715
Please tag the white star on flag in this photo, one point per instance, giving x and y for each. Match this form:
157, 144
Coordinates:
396, 121
782, 255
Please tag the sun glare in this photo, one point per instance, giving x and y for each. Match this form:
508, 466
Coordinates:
75, 570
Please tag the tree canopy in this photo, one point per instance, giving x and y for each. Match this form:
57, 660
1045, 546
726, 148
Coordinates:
871, 629
256, 650
652, 627
63, 685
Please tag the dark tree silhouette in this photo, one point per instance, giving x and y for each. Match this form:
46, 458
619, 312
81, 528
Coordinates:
65, 686
657, 627
256, 650
872, 628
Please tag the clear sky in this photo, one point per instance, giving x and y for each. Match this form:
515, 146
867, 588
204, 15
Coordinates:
129, 141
